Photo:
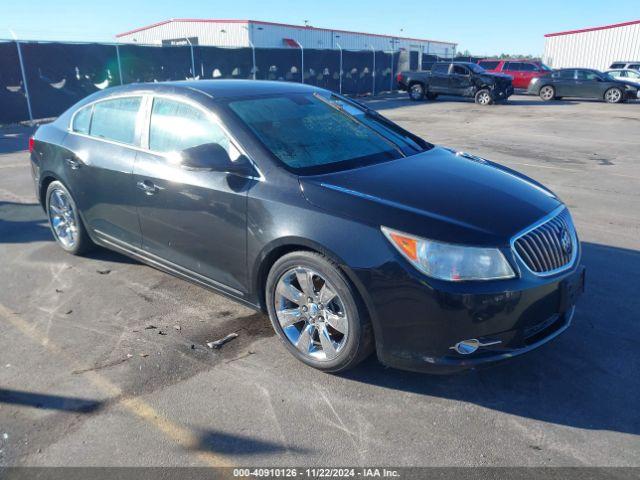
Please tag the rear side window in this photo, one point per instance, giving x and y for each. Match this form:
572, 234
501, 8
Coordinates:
512, 66
82, 120
176, 126
617, 65
440, 68
565, 74
528, 67
489, 65
116, 119
617, 74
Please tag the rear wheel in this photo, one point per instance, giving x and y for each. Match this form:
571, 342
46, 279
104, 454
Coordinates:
317, 313
65, 221
483, 97
416, 92
613, 95
547, 93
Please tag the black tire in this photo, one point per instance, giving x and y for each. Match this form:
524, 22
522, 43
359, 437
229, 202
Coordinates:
432, 96
82, 243
483, 97
547, 93
614, 95
359, 340
416, 92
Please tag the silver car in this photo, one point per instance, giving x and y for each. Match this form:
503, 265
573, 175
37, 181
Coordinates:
626, 74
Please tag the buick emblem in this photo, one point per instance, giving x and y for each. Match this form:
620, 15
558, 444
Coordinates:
565, 241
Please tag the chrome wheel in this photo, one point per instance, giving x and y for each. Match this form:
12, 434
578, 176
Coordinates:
417, 92
547, 93
613, 95
63, 218
312, 315
484, 98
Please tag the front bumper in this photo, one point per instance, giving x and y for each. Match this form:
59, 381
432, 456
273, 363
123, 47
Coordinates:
419, 323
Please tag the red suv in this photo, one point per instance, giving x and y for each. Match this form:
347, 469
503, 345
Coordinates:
522, 71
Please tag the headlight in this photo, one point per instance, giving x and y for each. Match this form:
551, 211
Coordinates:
446, 261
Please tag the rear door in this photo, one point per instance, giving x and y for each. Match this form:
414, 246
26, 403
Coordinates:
439, 81
102, 147
564, 82
513, 70
193, 221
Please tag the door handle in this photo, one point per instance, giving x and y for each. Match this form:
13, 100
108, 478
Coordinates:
147, 187
73, 163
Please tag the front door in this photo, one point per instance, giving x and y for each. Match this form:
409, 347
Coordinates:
99, 162
459, 80
589, 84
193, 221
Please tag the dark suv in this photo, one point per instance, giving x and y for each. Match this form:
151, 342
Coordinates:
462, 79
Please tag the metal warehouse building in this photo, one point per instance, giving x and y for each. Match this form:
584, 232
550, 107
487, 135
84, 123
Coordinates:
596, 47
258, 34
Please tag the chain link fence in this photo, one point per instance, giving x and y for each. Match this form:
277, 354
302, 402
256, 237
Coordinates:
42, 79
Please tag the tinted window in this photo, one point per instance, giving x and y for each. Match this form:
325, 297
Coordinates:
440, 68
565, 74
489, 65
512, 66
528, 67
460, 70
82, 120
617, 65
307, 132
176, 126
635, 66
116, 119
588, 75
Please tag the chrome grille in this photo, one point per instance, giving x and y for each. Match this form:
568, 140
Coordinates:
550, 246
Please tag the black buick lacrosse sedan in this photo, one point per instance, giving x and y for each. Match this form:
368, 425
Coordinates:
351, 232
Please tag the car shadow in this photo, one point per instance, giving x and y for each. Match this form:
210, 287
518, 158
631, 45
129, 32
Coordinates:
587, 378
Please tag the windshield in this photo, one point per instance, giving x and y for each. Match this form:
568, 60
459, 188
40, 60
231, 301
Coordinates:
546, 67
476, 68
314, 133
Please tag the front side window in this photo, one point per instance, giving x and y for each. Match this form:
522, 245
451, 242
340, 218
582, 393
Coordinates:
312, 134
528, 67
176, 126
634, 75
460, 70
440, 68
635, 66
566, 74
616, 74
82, 120
116, 119
513, 66
588, 75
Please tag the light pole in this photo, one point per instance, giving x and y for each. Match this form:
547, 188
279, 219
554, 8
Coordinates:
302, 58
340, 77
24, 76
373, 72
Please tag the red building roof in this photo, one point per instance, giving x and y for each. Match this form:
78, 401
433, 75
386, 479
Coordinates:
593, 29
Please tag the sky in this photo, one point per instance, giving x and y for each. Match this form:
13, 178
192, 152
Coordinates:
483, 28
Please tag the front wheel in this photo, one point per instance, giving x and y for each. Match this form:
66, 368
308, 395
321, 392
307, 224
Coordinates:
483, 97
613, 95
416, 92
317, 313
547, 93
65, 221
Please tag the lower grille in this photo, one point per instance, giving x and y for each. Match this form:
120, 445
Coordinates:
549, 246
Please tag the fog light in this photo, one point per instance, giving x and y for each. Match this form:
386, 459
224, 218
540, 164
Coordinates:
467, 347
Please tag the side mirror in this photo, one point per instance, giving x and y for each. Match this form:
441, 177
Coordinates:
213, 157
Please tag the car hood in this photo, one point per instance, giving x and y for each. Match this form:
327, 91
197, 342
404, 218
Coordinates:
438, 194
497, 75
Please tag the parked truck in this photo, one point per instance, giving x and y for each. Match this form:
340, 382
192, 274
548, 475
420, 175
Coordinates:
463, 79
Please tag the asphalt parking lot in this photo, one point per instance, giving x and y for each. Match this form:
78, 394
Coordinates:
85, 380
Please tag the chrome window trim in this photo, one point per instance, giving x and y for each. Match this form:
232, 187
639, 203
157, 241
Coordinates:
143, 125
539, 223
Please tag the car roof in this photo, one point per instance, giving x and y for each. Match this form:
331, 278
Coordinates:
216, 88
